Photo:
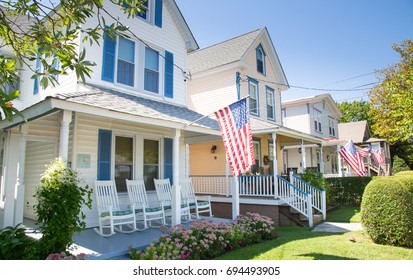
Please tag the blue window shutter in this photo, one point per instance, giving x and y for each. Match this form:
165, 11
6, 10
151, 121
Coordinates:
108, 62
169, 75
158, 13
168, 163
104, 154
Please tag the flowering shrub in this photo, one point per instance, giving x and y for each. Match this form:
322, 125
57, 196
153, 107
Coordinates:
64, 256
206, 240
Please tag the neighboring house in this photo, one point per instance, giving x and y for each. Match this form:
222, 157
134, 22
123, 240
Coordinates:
359, 132
221, 74
318, 116
130, 121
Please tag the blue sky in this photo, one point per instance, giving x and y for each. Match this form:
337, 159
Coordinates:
321, 44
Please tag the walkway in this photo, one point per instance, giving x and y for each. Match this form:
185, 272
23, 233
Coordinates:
337, 227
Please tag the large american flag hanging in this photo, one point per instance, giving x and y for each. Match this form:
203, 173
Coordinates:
234, 123
352, 157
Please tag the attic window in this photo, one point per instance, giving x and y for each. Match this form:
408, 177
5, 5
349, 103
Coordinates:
260, 59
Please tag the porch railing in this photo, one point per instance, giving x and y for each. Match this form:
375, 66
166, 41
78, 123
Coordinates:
296, 198
318, 197
216, 184
257, 185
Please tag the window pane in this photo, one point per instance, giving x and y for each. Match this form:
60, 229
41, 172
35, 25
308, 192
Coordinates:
151, 59
126, 73
150, 162
144, 12
151, 81
126, 50
123, 161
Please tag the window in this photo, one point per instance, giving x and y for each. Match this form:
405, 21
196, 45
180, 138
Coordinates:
331, 127
260, 59
151, 70
145, 11
150, 162
123, 161
126, 62
317, 120
123, 62
270, 104
253, 92
257, 155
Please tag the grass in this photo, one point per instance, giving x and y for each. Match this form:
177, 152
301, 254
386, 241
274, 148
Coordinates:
297, 243
345, 214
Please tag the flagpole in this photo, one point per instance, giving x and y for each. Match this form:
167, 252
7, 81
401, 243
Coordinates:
206, 116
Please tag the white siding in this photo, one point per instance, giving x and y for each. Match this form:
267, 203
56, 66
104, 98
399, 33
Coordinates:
166, 38
298, 118
209, 94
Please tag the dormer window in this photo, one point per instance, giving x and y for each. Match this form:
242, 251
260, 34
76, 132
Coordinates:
260, 59
151, 12
144, 14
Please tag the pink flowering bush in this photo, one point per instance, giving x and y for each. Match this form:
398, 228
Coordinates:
65, 256
206, 240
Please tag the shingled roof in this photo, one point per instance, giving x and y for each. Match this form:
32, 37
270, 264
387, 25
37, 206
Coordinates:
222, 53
134, 105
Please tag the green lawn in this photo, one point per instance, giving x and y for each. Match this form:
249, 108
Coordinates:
297, 243
345, 214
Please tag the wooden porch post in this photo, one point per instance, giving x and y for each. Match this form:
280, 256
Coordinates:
275, 163
176, 188
235, 198
303, 156
65, 120
339, 166
321, 159
19, 187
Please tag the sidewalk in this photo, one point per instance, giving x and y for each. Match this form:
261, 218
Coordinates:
337, 227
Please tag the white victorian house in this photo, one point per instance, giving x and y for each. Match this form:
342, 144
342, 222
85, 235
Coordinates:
318, 116
129, 121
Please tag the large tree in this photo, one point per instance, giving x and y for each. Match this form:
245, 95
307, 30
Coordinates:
392, 103
355, 111
47, 32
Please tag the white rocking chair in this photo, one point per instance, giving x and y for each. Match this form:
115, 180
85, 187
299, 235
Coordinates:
163, 191
145, 213
201, 204
111, 214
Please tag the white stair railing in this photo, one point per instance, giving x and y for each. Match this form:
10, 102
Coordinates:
296, 199
318, 197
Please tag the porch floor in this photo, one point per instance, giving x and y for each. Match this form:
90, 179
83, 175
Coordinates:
114, 247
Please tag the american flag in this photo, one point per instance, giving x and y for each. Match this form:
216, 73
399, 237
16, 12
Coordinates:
365, 151
352, 157
377, 157
234, 123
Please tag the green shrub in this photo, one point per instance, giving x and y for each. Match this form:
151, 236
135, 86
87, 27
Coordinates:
317, 180
60, 198
14, 243
405, 173
399, 164
347, 191
387, 210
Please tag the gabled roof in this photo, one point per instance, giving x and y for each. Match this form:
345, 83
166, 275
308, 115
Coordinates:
314, 99
357, 131
222, 53
234, 50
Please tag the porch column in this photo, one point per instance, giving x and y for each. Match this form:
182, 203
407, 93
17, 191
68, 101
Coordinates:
65, 119
19, 187
321, 159
275, 163
176, 188
187, 160
339, 167
235, 198
303, 156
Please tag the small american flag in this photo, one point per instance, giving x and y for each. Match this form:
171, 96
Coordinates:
352, 157
365, 151
234, 123
377, 157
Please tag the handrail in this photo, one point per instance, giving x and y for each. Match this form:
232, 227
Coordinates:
318, 196
295, 198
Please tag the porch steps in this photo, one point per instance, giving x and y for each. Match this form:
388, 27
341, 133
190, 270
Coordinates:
297, 218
